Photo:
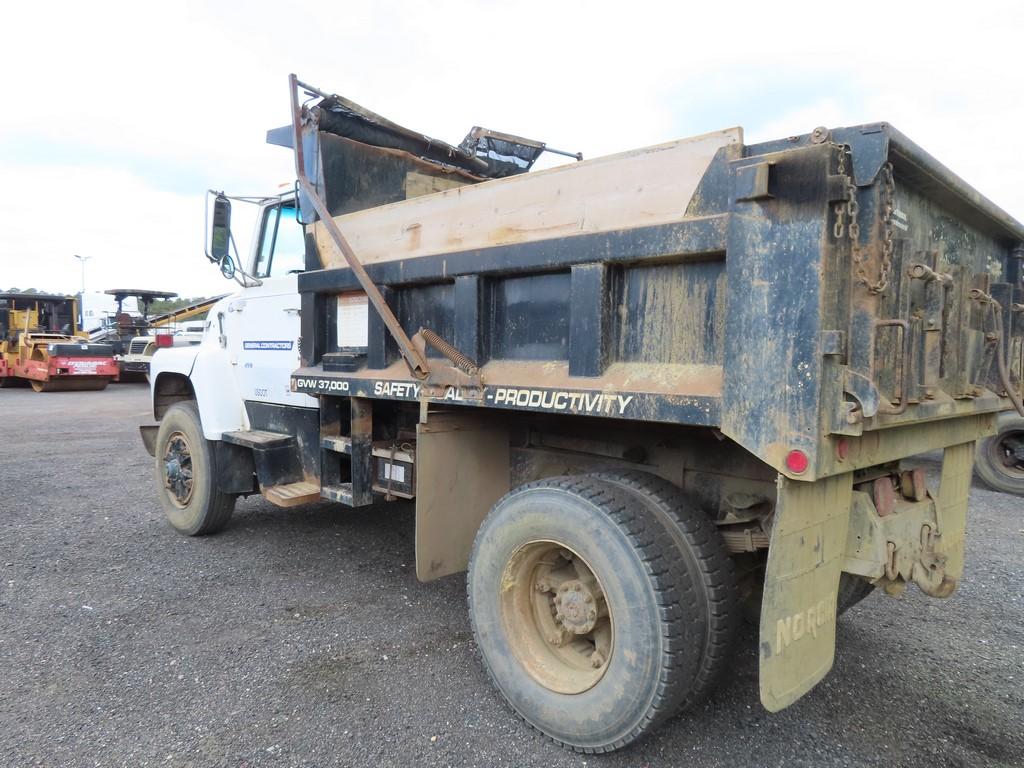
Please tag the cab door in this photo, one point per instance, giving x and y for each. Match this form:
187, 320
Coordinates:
267, 316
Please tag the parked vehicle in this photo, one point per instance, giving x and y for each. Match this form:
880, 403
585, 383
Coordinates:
634, 396
1000, 458
97, 311
41, 345
171, 329
122, 326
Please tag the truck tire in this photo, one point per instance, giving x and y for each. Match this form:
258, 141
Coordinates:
997, 461
185, 478
712, 575
852, 589
582, 611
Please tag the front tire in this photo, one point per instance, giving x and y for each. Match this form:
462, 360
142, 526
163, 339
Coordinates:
575, 596
185, 477
999, 460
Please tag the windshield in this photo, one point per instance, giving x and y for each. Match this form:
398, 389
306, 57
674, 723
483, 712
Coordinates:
282, 246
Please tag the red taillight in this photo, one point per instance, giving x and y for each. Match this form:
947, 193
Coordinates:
164, 340
797, 462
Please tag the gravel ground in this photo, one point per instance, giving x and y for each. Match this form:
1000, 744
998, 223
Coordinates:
302, 638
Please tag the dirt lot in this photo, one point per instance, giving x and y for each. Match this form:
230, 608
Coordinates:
303, 638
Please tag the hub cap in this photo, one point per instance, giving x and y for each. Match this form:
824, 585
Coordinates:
177, 462
557, 620
1007, 453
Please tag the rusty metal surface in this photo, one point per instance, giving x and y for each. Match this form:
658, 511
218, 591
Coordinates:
416, 361
839, 306
463, 468
916, 537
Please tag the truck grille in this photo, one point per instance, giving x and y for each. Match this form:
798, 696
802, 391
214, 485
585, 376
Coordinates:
137, 346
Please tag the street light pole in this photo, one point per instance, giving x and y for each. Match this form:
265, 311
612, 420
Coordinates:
83, 259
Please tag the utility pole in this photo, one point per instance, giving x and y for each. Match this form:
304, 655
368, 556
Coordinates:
81, 296
83, 259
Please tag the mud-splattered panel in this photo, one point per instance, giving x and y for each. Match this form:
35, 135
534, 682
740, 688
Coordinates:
673, 313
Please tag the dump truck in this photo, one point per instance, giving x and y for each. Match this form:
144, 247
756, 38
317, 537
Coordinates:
636, 398
41, 345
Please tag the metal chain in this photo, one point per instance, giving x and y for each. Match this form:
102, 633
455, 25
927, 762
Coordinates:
839, 229
850, 210
888, 206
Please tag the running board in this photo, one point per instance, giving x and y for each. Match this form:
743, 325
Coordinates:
257, 438
292, 494
337, 444
341, 493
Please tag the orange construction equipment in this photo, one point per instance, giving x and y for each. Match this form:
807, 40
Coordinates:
40, 344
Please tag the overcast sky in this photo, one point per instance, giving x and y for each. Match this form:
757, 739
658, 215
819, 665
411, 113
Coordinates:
116, 117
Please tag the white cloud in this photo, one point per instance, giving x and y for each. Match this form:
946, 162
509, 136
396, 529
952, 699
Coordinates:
134, 235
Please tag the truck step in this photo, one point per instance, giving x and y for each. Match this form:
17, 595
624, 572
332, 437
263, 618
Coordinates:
292, 494
256, 438
338, 444
342, 493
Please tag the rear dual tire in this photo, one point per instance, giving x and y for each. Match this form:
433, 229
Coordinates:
711, 572
665, 606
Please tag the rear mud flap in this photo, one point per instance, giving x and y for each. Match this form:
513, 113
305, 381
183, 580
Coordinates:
798, 610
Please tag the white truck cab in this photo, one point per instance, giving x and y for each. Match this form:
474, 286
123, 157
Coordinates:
250, 344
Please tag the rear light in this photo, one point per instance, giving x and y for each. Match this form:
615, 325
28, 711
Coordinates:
797, 462
164, 340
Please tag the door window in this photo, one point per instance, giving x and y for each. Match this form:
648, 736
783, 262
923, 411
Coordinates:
282, 244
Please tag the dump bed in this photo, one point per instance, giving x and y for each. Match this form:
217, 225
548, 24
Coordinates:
788, 293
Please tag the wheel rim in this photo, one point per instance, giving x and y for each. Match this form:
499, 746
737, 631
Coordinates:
177, 463
557, 619
1006, 453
